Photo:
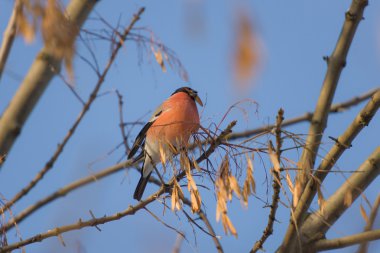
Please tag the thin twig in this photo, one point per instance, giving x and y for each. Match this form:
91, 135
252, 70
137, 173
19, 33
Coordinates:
129, 211
178, 243
335, 108
164, 223
49, 165
121, 124
205, 220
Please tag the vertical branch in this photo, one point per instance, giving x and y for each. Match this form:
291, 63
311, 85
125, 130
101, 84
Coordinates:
121, 124
43, 69
335, 64
276, 183
9, 36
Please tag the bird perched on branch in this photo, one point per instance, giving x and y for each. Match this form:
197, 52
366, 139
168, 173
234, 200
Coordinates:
168, 130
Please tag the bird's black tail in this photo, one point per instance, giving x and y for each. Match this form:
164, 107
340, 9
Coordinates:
140, 188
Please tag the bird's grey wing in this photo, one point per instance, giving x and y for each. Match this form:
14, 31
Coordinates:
140, 139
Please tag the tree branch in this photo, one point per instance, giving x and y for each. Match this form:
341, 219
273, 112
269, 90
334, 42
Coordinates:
335, 108
361, 120
210, 229
49, 165
9, 36
64, 191
131, 210
318, 223
336, 62
82, 224
276, 186
347, 240
43, 69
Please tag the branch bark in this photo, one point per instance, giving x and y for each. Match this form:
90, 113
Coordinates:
335, 108
64, 191
131, 210
336, 62
318, 223
43, 69
344, 142
276, 185
347, 240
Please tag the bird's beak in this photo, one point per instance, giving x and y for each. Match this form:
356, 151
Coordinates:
198, 100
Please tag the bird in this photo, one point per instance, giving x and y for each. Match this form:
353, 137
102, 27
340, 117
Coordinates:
167, 131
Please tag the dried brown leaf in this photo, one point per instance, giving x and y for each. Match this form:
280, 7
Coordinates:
250, 179
297, 192
228, 226
196, 165
177, 196
234, 186
25, 28
162, 155
59, 34
289, 182
159, 58
196, 201
321, 199
246, 55
60, 238
273, 159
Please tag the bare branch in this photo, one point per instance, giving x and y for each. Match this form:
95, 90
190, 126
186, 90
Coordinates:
336, 62
121, 124
9, 36
347, 240
45, 66
71, 131
335, 108
178, 243
82, 224
210, 229
316, 225
64, 191
218, 246
106, 172
131, 210
276, 185
361, 120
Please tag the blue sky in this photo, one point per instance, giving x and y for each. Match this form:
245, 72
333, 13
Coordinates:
294, 37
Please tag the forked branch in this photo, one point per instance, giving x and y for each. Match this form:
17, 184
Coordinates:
131, 210
336, 63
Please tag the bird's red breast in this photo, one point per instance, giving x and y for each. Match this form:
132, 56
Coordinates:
178, 120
